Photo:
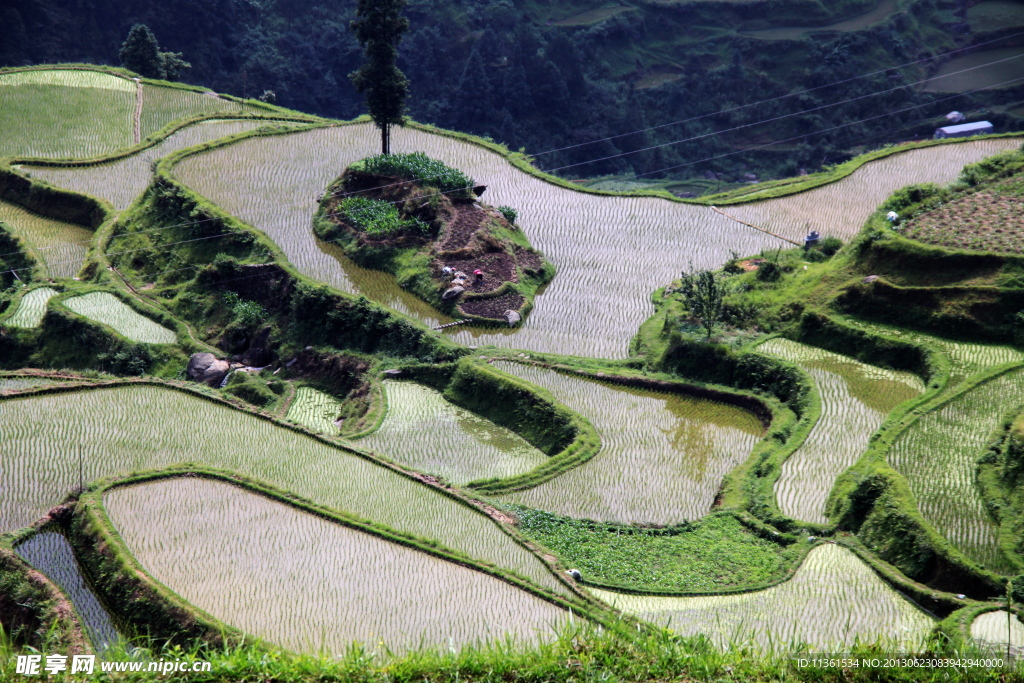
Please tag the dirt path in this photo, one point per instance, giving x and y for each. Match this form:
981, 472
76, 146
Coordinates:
137, 130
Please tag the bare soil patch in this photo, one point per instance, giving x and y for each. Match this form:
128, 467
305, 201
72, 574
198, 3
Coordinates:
494, 307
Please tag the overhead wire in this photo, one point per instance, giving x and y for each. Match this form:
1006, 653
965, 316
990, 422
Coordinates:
804, 135
661, 170
675, 142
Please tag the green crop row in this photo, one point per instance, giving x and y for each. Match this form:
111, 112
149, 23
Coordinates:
418, 167
378, 218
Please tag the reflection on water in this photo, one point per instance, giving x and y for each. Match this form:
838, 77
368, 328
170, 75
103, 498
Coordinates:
663, 455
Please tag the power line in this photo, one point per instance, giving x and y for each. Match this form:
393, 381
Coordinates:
787, 116
706, 135
780, 97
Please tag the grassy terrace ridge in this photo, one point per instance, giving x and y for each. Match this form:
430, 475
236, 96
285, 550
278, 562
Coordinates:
496, 540
747, 542
167, 616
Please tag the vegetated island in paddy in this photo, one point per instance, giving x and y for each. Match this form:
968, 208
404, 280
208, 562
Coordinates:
422, 221
866, 544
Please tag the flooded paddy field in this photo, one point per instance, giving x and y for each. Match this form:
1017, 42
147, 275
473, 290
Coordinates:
309, 584
662, 458
855, 399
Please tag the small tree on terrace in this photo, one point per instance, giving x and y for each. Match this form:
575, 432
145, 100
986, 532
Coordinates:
140, 52
703, 294
379, 26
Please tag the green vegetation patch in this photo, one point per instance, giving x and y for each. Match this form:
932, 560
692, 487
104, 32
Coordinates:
418, 167
50, 553
31, 308
378, 218
106, 308
717, 553
59, 121
988, 219
832, 601
306, 583
426, 432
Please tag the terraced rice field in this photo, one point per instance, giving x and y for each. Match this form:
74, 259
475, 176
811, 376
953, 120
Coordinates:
120, 182
995, 630
18, 383
60, 247
937, 454
855, 399
833, 599
161, 106
107, 309
947, 79
64, 113
50, 553
140, 427
32, 308
965, 358
881, 12
426, 432
608, 250
662, 459
841, 208
995, 15
315, 410
308, 584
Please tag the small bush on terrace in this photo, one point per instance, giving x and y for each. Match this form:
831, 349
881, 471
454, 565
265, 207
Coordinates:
509, 213
378, 218
419, 167
249, 313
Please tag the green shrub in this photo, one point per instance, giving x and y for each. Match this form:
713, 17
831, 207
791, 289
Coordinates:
908, 196
419, 167
248, 313
830, 245
509, 213
250, 389
378, 218
768, 271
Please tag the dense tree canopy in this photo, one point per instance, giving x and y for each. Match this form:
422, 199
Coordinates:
379, 26
141, 53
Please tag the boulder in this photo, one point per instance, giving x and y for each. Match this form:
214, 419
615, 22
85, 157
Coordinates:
452, 293
206, 368
512, 317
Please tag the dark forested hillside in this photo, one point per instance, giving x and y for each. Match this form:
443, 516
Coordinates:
542, 74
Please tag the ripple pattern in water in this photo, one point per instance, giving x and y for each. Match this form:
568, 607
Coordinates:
426, 432
50, 553
136, 428
32, 308
663, 455
611, 252
841, 208
937, 454
855, 399
831, 601
120, 182
308, 584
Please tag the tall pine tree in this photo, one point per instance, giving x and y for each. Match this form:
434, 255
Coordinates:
379, 26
